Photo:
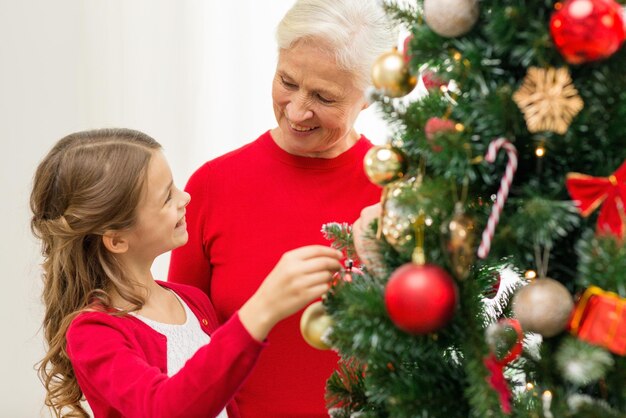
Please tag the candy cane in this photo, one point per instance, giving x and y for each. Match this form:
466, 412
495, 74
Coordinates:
503, 192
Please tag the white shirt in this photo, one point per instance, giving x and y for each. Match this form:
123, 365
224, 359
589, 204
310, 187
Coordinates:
182, 340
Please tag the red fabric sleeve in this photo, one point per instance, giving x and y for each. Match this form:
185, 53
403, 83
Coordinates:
110, 366
189, 263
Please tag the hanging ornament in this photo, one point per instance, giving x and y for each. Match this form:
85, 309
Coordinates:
543, 306
587, 30
600, 319
391, 75
435, 126
451, 18
384, 164
458, 237
315, 324
346, 275
503, 191
401, 208
504, 339
548, 99
420, 298
609, 192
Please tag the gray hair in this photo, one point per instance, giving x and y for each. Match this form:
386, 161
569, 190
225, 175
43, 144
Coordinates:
356, 32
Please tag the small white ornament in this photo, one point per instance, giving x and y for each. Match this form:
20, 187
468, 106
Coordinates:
451, 18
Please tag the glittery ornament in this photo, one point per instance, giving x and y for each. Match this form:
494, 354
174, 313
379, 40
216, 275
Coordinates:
451, 18
587, 30
400, 211
459, 239
384, 164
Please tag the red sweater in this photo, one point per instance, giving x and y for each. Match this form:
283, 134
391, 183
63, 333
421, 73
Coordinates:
247, 208
121, 364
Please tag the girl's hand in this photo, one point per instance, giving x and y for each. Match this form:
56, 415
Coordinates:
300, 276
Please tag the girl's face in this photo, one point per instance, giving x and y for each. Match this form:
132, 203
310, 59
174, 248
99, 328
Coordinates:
315, 103
160, 225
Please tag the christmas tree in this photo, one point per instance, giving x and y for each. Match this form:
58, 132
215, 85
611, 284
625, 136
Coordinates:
493, 282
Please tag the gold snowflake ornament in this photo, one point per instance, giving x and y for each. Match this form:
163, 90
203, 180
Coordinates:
548, 99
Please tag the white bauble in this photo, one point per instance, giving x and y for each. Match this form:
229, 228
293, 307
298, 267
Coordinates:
450, 18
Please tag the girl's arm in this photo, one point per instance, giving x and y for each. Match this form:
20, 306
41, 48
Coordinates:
111, 369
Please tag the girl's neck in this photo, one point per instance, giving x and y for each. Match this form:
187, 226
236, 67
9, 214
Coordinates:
160, 304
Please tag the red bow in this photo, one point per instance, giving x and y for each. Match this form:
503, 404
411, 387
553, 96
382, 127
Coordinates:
610, 192
496, 365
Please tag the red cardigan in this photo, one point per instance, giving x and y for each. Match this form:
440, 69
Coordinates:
121, 364
247, 208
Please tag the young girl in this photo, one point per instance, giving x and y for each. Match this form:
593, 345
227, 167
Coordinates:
104, 206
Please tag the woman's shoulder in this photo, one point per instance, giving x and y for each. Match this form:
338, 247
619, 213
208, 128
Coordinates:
220, 172
242, 155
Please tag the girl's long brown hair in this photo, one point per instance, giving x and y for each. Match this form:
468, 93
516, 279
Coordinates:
89, 183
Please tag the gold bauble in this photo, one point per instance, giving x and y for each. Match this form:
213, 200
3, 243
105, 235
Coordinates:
390, 74
400, 212
384, 164
314, 324
543, 306
459, 237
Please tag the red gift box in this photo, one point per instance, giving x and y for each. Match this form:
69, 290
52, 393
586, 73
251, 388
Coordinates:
600, 319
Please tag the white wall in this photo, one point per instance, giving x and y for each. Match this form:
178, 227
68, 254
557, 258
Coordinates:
196, 75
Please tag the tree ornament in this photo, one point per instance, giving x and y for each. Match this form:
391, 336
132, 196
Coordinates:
504, 339
600, 319
609, 192
384, 164
548, 99
420, 298
503, 191
391, 75
458, 237
401, 209
315, 324
543, 306
451, 18
435, 126
346, 275
587, 30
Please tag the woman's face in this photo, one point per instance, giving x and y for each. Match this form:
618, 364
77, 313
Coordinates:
315, 103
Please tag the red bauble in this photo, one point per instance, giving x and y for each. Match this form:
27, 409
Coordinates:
587, 30
420, 298
434, 126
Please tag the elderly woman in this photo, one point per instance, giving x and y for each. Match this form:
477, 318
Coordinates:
272, 195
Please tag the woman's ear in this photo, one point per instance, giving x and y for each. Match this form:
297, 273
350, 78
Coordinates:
115, 242
366, 103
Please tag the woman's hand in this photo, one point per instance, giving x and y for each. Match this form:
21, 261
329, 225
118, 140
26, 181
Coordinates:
365, 244
300, 276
